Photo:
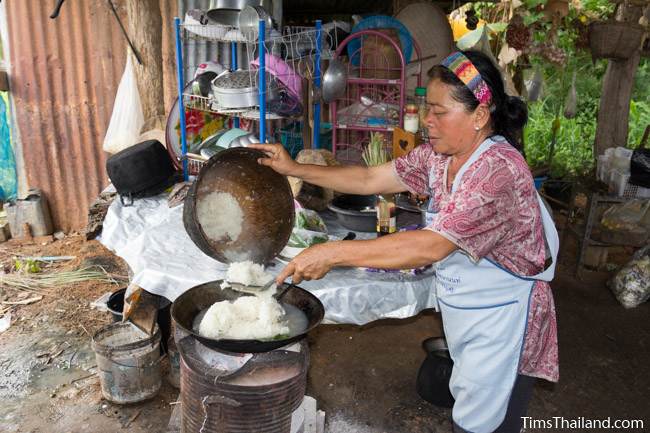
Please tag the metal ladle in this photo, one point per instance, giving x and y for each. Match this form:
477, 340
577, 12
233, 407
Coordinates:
335, 80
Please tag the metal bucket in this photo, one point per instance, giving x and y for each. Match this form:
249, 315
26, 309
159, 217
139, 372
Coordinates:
32, 210
115, 306
128, 361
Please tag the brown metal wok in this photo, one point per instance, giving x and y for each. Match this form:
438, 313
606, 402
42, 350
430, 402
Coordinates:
187, 307
264, 197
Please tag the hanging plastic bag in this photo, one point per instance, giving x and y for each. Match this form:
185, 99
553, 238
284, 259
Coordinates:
534, 84
571, 101
127, 118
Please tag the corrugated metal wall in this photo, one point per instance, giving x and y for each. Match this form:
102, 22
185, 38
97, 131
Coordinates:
64, 75
196, 51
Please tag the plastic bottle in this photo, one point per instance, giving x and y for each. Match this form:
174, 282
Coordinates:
411, 120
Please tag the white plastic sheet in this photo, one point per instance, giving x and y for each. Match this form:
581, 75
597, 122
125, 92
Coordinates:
151, 238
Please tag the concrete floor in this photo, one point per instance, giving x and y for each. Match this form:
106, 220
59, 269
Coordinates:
363, 377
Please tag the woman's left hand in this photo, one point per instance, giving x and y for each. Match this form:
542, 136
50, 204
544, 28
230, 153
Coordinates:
312, 264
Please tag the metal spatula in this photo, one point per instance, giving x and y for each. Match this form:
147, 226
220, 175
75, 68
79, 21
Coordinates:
255, 289
250, 289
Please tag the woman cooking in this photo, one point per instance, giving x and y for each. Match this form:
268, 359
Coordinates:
488, 234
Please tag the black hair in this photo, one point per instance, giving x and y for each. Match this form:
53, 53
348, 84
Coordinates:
508, 114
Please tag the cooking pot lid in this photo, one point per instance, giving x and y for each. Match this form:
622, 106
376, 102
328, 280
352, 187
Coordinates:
239, 210
241, 80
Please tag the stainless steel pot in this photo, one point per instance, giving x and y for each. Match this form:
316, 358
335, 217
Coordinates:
226, 12
239, 89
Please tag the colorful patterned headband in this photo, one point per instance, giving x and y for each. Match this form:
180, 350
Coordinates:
465, 70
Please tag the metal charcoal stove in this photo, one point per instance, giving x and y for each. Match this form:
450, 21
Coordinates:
224, 392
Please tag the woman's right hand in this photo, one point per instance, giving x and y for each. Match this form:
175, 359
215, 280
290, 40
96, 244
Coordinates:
277, 158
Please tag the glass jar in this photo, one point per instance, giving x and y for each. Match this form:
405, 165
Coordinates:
411, 119
386, 214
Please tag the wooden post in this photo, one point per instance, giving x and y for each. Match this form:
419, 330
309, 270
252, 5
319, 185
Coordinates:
168, 10
614, 110
145, 31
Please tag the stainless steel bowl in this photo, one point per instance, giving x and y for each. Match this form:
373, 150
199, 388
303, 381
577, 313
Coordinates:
249, 19
244, 140
226, 12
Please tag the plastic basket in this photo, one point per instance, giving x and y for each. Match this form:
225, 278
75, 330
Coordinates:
619, 185
614, 39
291, 137
634, 191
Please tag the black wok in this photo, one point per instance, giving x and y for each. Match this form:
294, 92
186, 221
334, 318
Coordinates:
187, 306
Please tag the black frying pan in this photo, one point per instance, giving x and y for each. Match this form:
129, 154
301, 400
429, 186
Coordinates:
187, 306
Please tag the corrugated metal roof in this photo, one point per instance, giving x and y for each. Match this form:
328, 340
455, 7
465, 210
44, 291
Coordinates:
64, 75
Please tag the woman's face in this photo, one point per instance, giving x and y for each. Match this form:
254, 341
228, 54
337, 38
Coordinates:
451, 128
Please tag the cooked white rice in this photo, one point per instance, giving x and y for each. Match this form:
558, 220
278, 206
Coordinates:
248, 274
248, 317
220, 216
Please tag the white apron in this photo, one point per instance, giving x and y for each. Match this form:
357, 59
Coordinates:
485, 310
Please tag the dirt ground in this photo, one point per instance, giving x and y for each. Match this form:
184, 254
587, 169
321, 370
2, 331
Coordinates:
363, 377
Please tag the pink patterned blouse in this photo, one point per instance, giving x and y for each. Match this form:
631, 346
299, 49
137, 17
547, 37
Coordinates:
493, 213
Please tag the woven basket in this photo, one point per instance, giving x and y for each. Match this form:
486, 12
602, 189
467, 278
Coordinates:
614, 39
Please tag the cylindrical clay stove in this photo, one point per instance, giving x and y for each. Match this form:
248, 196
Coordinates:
225, 392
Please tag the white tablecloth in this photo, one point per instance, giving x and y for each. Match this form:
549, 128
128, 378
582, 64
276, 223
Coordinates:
151, 238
